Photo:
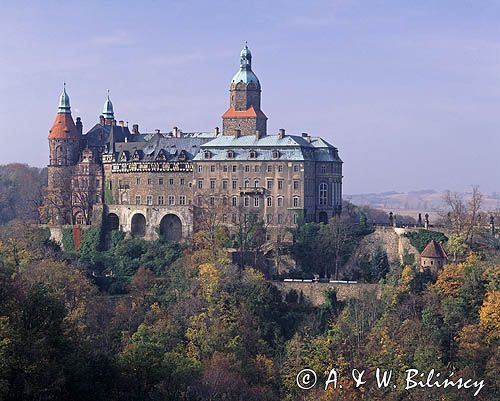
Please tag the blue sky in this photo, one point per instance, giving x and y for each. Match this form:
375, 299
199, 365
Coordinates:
409, 91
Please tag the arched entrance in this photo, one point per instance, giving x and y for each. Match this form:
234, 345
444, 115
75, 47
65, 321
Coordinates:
323, 217
112, 222
171, 228
138, 226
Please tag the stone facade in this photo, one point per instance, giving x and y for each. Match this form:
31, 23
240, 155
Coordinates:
153, 184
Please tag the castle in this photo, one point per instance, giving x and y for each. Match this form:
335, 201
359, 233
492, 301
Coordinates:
152, 184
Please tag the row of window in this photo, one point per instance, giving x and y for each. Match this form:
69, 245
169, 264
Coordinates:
247, 168
249, 201
270, 218
161, 181
162, 200
252, 154
247, 184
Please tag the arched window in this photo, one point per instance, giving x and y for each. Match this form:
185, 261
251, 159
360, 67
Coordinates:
230, 154
207, 154
253, 154
79, 219
276, 154
296, 202
323, 193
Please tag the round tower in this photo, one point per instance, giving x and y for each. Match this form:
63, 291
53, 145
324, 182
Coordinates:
64, 151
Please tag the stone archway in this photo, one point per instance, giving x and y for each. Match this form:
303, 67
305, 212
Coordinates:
138, 225
112, 222
171, 228
323, 217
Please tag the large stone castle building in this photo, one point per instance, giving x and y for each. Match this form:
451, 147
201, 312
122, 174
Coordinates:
152, 184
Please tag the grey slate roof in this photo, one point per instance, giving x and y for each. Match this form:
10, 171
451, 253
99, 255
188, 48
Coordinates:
290, 147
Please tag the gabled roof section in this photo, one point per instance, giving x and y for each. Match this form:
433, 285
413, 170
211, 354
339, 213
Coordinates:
434, 250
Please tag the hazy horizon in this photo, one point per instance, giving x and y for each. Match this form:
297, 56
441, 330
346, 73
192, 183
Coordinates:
408, 93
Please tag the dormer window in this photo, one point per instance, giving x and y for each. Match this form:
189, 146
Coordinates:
182, 156
253, 154
276, 154
207, 154
230, 154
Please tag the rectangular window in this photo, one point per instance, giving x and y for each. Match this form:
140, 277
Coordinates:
224, 201
256, 184
234, 201
235, 184
235, 168
212, 184
296, 202
269, 202
160, 181
247, 201
161, 200
137, 180
296, 168
171, 200
212, 201
280, 184
296, 185
323, 168
224, 184
212, 168
269, 184
200, 184
200, 169
280, 168
149, 200
256, 169
183, 181
256, 201
269, 218
182, 200
138, 199
269, 168
171, 181
295, 218
224, 168
150, 181
280, 202
247, 168
280, 219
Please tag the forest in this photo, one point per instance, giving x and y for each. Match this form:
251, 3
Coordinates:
127, 319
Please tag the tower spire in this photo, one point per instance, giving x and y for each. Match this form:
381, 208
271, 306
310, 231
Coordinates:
64, 106
107, 110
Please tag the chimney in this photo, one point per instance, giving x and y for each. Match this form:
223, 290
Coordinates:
121, 123
175, 132
281, 133
257, 135
157, 131
237, 133
102, 121
304, 135
135, 129
216, 131
79, 125
309, 138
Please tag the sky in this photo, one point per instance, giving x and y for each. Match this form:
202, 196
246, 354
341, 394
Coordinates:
409, 91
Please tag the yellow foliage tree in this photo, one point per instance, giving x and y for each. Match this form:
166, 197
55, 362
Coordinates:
489, 316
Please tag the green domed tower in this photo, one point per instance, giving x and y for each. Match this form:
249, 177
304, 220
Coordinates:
244, 113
